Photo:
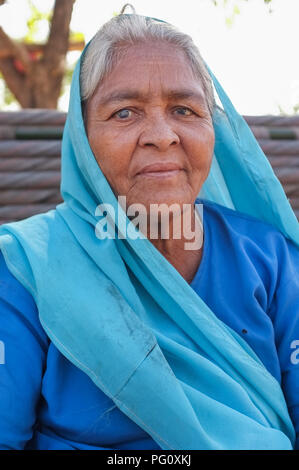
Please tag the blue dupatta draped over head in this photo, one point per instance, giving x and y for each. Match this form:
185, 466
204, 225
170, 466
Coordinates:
89, 307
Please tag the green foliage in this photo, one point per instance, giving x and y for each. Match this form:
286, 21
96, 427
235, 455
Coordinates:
233, 7
225, 2
7, 97
34, 22
76, 36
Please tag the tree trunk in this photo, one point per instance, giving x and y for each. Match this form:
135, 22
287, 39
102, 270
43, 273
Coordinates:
37, 83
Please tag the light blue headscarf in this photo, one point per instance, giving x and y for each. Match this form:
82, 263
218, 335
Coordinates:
90, 309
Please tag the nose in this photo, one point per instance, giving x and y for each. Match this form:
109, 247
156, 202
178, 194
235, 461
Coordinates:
159, 133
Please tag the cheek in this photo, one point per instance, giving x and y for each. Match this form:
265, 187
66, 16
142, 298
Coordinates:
201, 149
112, 158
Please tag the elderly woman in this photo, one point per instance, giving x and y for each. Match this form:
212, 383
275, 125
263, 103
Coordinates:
136, 341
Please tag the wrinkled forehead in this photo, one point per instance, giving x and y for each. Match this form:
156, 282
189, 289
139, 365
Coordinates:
144, 71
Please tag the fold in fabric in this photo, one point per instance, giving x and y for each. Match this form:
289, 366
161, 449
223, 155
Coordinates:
89, 307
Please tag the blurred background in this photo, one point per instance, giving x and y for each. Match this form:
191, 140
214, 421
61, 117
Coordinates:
250, 45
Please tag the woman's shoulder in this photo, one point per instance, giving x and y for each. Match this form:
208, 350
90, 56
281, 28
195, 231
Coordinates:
257, 240
251, 243
11, 290
245, 225
17, 306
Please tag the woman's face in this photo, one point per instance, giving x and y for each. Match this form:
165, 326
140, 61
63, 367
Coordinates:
149, 127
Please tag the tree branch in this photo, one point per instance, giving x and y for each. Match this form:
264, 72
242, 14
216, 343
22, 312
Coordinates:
39, 48
15, 81
38, 82
17, 50
57, 45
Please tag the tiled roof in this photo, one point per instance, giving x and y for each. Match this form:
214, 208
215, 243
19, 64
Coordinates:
30, 143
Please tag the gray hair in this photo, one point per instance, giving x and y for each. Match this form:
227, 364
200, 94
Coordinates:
125, 30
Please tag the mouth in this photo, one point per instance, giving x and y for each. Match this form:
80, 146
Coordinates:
160, 170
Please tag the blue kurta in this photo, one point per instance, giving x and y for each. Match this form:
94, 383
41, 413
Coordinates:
248, 276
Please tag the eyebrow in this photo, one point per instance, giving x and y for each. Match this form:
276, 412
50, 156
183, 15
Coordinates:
124, 95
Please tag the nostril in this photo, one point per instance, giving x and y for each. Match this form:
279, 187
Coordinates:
161, 139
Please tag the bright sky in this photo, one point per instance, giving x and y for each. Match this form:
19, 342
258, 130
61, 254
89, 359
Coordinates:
256, 60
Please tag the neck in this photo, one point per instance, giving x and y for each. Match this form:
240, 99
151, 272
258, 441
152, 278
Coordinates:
183, 252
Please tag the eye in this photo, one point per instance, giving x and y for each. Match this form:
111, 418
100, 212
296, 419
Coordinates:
183, 111
122, 113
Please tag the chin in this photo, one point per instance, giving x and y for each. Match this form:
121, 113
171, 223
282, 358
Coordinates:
163, 200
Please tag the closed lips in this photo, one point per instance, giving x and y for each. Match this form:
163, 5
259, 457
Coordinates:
160, 168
